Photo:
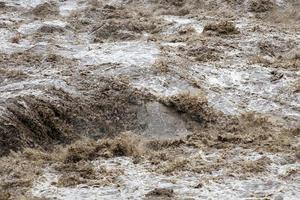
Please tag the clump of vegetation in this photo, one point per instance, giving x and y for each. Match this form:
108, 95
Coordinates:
261, 5
221, 28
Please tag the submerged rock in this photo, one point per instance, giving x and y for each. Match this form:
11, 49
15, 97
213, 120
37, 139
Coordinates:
161, 122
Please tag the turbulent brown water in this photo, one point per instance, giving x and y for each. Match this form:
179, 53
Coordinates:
176, 99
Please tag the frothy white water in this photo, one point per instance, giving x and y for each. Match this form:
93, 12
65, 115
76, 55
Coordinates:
138, 179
